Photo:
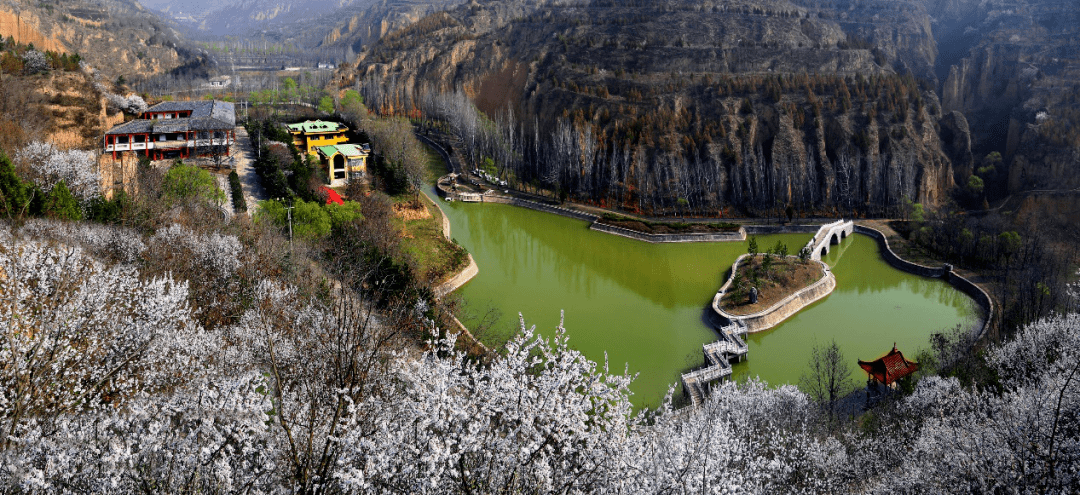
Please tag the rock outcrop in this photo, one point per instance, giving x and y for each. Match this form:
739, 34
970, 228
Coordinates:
857, 106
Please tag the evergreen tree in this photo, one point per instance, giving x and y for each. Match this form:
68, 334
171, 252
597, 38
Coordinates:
61, 204
13, 192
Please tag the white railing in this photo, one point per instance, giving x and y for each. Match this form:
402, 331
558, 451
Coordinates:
705, 375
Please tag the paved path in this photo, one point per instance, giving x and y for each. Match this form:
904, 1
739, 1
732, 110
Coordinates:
227, 207
244, 154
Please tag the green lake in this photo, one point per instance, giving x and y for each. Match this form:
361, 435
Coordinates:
646, 305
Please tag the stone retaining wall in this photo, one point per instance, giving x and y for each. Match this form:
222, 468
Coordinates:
980, 296
458, 280
959, 282
534, 205
896, 261
739, 235
766, 319
781, 229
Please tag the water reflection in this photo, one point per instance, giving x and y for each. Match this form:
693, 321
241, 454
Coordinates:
642, 303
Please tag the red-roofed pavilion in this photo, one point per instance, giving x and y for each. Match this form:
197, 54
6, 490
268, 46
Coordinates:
889, 368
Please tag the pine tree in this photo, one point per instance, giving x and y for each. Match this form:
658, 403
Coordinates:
61, 204
13, 193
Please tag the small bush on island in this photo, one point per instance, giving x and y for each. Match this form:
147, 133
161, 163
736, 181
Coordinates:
774, 274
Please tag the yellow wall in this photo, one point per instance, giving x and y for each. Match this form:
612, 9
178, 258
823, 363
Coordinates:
315, 140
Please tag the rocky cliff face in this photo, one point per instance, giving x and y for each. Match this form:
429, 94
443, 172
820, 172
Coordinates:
750, 104
1019, 83
356, 27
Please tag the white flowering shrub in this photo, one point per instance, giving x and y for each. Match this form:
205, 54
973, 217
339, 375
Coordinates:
49, 165
540, 418
132, 104
206, 437
216, 254
108, 242
35, 62
79, 336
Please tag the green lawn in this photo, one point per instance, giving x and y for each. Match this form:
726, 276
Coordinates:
435, 165
436, 257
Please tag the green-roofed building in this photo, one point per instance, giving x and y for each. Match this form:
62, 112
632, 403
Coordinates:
344, 162
311, 134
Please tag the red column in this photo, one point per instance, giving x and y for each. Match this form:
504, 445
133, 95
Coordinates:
114, 145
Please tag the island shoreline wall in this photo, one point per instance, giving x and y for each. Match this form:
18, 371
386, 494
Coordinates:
782, 310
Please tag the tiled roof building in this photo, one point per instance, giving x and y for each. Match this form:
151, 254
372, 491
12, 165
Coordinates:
311, 134
176, 129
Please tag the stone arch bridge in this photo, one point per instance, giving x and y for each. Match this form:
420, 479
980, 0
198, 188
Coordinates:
829, 235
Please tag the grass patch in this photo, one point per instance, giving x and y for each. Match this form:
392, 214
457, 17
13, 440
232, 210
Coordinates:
435, 257
435, 165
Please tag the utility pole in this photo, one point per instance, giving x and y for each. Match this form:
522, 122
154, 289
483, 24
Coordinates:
288, 211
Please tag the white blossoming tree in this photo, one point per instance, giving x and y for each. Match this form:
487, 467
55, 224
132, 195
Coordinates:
49, 165
108, 383
540, 418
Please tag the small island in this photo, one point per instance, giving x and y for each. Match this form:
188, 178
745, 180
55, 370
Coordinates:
767, 287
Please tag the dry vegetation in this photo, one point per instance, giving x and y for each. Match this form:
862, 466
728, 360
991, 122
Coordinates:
775, 278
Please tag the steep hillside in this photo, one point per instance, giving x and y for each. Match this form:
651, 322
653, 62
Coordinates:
240, 17
353, 28
705, 105
1019, 82
116, 37
816, 104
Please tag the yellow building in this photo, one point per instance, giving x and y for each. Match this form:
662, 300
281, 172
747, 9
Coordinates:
309, 135
344, 162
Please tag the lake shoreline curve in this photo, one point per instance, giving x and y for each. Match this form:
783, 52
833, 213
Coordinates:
459, 279
961, 283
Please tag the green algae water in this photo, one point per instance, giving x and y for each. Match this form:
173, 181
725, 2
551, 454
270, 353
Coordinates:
647, 305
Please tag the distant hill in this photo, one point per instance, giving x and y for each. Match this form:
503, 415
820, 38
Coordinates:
328, 30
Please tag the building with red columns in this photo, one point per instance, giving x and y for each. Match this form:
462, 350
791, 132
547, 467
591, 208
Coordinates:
176, 129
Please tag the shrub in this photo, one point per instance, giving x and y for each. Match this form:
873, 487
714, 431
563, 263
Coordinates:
239, 203
185, 182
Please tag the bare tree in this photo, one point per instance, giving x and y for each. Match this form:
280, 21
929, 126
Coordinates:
827, 378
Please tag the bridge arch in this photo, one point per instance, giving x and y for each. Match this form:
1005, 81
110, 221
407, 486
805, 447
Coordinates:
829, 234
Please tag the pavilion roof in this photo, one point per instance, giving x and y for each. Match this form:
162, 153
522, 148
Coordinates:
890, 367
